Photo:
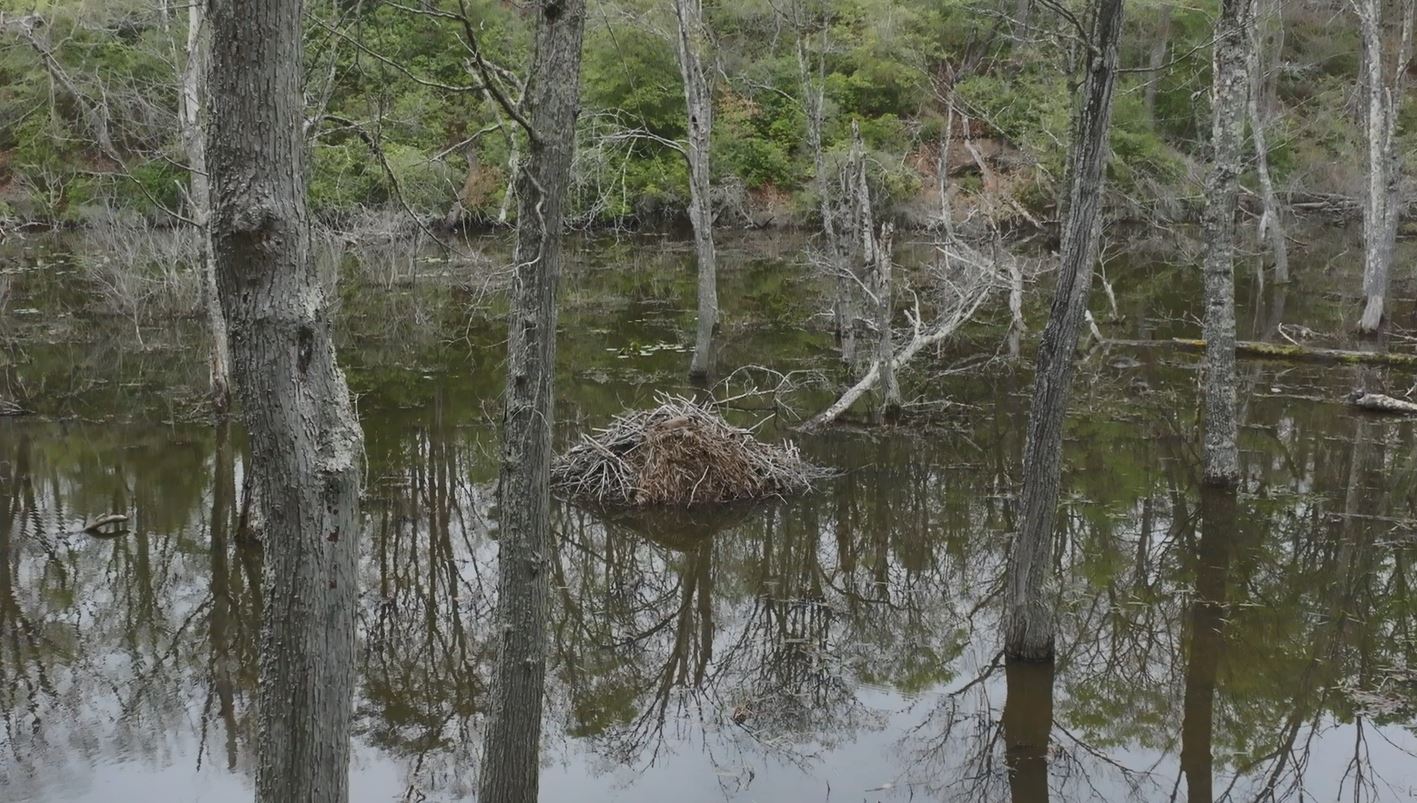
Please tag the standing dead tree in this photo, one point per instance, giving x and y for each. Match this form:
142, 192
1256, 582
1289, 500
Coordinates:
1030, 616
1387, 51
875, 263
811, 70
966, 278
305, 440
512, 746
1271, 226
1229, 100
193, 103
690, 35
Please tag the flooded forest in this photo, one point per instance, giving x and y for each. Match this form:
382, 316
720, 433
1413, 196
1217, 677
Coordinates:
707, 400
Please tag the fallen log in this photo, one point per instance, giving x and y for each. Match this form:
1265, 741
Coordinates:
1286, 352
95, 527
1381, 403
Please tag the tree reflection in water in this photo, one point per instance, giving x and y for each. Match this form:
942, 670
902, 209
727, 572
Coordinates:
844, 641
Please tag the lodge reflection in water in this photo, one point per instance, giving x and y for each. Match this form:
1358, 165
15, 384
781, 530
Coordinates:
1210, 641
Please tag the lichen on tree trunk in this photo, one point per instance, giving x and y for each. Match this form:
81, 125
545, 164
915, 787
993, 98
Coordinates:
1229, 101
1029, 616
511, 747
305, 442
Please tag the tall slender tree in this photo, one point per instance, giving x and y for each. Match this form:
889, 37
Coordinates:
1030, 618
305, 442
689, 35
511, 751
1229, 103
192, 103
1385, 63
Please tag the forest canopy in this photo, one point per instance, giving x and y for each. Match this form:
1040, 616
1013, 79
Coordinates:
398, 119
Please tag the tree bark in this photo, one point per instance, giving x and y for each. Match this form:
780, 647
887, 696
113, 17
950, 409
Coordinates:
305, 442
1228, 102
1030, 618
511, 750
698, 101
1271, 227
1384, 161
193, 102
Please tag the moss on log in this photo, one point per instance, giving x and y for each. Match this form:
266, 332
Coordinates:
1286, 352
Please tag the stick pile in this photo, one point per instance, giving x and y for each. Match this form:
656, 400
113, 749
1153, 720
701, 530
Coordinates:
679, 453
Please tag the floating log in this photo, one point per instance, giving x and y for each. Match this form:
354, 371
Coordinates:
1380, 403
95, 527
1286, 352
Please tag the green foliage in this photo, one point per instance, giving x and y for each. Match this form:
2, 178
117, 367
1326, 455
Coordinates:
402, 74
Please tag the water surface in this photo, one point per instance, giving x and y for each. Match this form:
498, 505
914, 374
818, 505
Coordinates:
839, 646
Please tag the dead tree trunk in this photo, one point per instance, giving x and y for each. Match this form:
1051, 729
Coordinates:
193, 101
511, 750
1030, 617
812, 77
305, 440
1228, 101
1384, 161
1271, 227
875, 262
1157, 60
698, 100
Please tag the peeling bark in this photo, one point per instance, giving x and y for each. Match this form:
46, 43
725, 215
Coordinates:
511, 749
1229, 97
305, 442
1030, 614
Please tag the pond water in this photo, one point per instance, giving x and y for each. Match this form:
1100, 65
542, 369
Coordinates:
839, 646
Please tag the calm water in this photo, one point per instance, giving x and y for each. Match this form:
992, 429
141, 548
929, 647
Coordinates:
1260, 650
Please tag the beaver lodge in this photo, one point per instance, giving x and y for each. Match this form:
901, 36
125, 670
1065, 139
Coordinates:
680, 453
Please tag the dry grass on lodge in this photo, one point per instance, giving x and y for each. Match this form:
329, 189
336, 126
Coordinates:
679, 453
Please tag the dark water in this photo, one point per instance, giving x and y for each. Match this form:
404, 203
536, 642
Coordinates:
1248, 650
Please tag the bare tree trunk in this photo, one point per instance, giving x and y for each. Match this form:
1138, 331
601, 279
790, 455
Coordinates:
1271, 226
698, 100
1384, 162
876, 264
511, 750
813, 86
885, 348
305, 442
1228, 100
1030, 615
1017, 327
509, 197
946, 141
193, 101
1159, 48
1207, 641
